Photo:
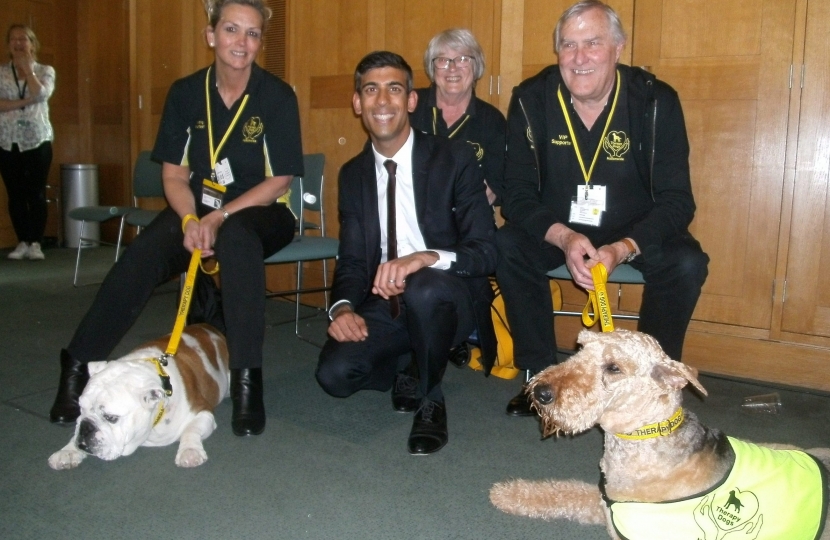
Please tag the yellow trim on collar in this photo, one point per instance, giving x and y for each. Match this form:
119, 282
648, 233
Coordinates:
165, 384
658, 429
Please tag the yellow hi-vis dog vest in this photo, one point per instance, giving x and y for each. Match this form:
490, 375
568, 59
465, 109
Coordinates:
768, 495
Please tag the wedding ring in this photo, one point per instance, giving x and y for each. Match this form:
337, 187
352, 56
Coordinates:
391, 281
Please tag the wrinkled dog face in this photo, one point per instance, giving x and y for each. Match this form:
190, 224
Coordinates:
118, 408
620, 380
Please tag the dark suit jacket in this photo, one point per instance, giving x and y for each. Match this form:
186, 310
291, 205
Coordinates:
453, 215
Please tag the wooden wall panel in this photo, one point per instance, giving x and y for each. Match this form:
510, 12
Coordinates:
737, 132
104, 76
806, 309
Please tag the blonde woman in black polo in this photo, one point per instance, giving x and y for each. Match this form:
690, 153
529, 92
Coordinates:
229, 141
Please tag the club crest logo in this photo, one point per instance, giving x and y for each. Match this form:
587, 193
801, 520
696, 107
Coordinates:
616, 144
252, 129
478, 150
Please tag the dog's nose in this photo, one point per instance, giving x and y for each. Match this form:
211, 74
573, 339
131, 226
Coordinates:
543, 394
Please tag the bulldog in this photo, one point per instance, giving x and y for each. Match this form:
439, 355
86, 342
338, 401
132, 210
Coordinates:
137, 401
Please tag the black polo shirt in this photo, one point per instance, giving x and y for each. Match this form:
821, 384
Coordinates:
482, 125
627, 200
264, 142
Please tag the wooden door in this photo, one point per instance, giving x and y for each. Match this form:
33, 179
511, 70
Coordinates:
166, 43
730, 63
806, 308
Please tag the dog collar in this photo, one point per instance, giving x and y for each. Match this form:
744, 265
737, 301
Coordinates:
165, 385
165, 378
658, 429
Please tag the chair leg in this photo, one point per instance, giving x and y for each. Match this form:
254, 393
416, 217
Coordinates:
326, 283
297, 299
120, 236
78, 258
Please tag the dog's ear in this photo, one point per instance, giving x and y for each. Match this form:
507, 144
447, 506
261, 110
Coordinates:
152, 397
96, 367
586, 336
676, 375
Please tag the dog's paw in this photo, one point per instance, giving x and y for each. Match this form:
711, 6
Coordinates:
66, 458
190, 457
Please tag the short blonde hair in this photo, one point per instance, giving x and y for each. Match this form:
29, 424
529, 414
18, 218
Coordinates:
214, 10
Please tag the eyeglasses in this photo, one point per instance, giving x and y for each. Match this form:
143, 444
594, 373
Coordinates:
462, 61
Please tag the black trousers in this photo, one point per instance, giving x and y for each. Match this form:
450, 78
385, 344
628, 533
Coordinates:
25, 175
673, 277
158, 254
436, 314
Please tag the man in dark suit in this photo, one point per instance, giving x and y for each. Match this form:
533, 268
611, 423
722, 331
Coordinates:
422, 289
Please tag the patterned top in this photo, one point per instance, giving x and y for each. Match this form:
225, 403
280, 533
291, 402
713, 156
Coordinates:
28, 127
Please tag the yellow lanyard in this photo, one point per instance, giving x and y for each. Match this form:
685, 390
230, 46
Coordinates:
435, 123
598, 303
587, 174
214, 153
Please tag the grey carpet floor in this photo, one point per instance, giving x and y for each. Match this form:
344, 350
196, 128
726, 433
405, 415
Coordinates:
325, 468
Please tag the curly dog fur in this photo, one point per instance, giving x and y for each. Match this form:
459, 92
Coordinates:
623, 381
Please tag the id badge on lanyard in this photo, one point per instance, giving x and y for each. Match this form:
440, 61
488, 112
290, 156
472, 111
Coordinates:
214, 188
589, 204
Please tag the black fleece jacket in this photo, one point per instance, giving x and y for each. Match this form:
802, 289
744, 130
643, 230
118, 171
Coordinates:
658, 143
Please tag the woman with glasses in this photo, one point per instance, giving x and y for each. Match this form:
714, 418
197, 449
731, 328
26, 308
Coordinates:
454, 62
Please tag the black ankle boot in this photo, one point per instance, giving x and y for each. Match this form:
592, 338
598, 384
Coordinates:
520, 405
248, 409
74, 377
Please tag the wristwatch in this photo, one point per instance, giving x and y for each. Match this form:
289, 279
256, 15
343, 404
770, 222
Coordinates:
632, 251
225, 213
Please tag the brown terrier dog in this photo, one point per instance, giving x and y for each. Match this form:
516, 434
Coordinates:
665, 475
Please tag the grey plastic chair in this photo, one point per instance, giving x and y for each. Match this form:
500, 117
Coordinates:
307, 195
623, 273
147, 183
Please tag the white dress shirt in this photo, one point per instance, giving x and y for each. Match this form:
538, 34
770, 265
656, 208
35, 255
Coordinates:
409, 234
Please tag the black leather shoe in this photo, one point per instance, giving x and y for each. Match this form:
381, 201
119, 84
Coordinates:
74, 376
521, 404
248, 409
405, 394
429, 429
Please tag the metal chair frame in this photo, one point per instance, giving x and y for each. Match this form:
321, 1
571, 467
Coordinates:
144, 185
307, 195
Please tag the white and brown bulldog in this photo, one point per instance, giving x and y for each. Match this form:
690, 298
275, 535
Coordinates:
127, 403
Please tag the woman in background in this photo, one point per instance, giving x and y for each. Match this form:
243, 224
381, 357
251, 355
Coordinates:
25, 138
229, 143
454, 62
